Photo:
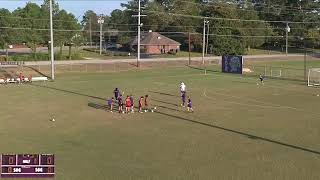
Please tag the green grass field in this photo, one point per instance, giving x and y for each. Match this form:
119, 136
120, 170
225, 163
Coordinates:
239, 130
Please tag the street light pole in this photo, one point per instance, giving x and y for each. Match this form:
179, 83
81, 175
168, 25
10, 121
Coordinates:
101, 21
51, 41
139, 32
203, 39
287, 31
207, 39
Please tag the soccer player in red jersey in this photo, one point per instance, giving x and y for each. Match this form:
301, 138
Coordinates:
30, 78
140, 104
132, 103
128, 104
20, 78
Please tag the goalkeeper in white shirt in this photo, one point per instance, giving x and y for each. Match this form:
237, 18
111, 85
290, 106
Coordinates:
182, 88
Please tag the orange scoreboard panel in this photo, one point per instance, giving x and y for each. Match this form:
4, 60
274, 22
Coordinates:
27, 166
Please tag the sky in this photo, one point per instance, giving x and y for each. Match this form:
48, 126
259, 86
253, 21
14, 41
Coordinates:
77, 7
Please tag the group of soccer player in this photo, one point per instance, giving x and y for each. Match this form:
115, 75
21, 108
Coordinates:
21, 79
127, 105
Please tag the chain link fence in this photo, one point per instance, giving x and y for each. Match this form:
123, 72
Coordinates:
252, 67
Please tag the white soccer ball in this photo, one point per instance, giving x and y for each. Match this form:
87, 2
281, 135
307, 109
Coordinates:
318, 95
155, 107
145, 111
53, 120
257, 84
122, 112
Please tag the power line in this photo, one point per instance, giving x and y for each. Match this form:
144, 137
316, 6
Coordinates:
176, 33
108, 31
36, 19
233, 19
62, 30
277, 6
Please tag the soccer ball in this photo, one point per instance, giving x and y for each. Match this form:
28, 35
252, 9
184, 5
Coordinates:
151, 110
122, 112
257, 84
53, 120
145, 111
155, 108
318, 95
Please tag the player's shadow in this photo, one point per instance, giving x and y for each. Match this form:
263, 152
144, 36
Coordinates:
67, 91
250, 136
162, 93
242, 82
98, 106
156, 100
164, 107
37, 71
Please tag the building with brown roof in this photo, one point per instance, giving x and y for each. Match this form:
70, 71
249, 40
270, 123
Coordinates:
155, 43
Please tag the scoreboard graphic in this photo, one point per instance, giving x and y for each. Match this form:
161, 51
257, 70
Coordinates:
232, 64
27, 166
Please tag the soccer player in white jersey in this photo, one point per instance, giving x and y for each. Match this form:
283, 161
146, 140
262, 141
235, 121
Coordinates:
182, 88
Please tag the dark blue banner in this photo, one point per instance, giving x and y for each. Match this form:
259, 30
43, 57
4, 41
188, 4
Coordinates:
232, 64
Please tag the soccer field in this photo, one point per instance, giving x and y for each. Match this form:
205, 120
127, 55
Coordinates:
239, 130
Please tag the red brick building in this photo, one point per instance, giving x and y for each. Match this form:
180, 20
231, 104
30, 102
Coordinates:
155, 43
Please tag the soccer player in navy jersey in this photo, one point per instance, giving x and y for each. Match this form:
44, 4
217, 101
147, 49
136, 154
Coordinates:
110, 104
116, 93
120, 103
190, 109
183, 97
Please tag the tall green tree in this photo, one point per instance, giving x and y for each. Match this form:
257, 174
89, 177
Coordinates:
90, 25
5, 32
32, 16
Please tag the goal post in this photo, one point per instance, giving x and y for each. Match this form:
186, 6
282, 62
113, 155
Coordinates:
314, 77
273, 72
276, 72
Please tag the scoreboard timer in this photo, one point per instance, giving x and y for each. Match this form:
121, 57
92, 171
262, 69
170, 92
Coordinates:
27, 166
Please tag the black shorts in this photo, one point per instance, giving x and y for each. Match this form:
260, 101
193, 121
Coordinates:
261, 79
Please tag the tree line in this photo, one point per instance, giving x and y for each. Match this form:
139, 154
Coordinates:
30, 25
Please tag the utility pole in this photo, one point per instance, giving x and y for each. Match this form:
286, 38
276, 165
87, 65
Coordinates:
204, 39
189, 42
101, 21
51, 42
207, 39
90, 31
305, 60
139, 31
287, 31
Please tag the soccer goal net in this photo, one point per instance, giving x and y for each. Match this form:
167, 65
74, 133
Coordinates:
276, 72
273, 72
314, 77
